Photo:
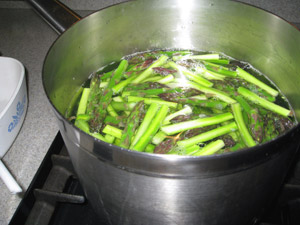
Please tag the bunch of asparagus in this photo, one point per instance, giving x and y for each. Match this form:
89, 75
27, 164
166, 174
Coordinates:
179, 102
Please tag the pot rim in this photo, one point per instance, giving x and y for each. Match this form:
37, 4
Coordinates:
262, 149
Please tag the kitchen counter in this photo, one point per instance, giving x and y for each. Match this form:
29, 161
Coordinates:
26, 37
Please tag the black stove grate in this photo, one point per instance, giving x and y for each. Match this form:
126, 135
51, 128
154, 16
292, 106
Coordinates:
55, 196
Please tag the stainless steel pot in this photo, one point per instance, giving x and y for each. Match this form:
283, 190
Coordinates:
137, 188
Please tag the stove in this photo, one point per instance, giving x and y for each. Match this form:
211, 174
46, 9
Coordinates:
55, 196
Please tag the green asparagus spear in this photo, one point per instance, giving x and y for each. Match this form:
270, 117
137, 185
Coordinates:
84, 117
109, 138
131, 125
152, 129
263, 102
162, 60
113, 131
83, 125
151, 100
142, 93
248, 77
106, 96
192, 124
94, 95
123, 106
185, 111
214, 92
220, 70
150, 148
210, 148
237, 112
190, 75
158, 137
121, 85
210, 75
256, 124
111, 111
202, 103
209, 135
151, 112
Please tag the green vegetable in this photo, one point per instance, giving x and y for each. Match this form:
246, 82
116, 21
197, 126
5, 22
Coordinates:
190, 75
248, 77
237, 112
162, 60
209, 135
202, 122
210, 148
152, 129
131, 124
263, 102
213, 92
151, 100
179, 102
113, 131
151, 112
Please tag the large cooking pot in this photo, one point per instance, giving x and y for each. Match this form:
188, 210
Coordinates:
129, 187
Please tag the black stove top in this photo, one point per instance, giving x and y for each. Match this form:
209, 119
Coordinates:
55, 196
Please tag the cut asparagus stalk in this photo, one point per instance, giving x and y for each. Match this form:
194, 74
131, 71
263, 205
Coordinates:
111, 111
209, 135
263, 102
167, 79
219, 61
214, 92
141, 93
158, 137
149, 101
109, 138
251, 79
220, 70
190, 75
106, 96
185, 111
192, 124
98, 136
202, 103
84, 117
152, 79
121, 85
142, 76
123, 106
83, 101
131, 125
118, 99
152, 129
151, 112
210, 148
83, 125
113, 131
150, 148
246, 136
210, 75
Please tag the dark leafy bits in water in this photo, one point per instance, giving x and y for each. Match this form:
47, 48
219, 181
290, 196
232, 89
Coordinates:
164, 147
163, 71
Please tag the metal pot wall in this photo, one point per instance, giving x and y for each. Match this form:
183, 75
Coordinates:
137, 188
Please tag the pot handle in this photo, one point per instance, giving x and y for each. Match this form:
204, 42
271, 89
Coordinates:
58, 15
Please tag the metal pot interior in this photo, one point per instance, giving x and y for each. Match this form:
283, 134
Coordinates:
246, 33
